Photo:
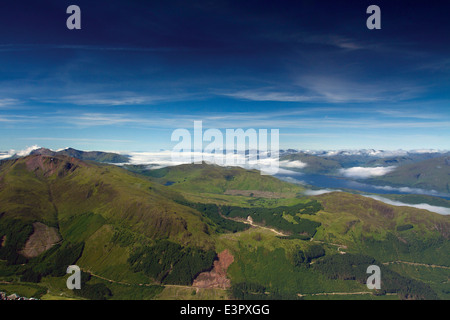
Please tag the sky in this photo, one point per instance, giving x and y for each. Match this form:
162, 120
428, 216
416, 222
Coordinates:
138, 70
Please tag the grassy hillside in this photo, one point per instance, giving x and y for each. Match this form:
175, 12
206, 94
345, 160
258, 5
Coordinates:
350, 224
207, 178
382, 231
55, 189
105, 212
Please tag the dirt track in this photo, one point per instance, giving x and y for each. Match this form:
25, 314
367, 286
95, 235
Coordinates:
417, 264
250, 222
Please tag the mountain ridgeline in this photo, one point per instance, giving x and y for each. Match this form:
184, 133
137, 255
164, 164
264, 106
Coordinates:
107, 157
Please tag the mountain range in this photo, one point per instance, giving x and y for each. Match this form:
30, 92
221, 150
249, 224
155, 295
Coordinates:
206, 232
427, 171
107, 157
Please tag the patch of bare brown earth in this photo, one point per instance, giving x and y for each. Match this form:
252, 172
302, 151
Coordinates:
42, 239
217, 277
48, 166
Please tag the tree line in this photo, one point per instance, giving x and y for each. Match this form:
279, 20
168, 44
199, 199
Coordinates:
169, 263
275, 217
354, 267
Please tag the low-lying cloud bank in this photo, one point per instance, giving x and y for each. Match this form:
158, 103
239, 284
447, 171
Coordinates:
291, 179
154, 160
20, 153
160, 159
365, 172
425, 206
297, 164
413, 191
319, 192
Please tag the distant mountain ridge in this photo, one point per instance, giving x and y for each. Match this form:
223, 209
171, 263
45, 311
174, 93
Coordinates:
329, 162
431, 174
367, 152
98, 156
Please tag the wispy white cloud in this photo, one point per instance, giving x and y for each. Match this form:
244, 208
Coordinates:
284, 119
236, 120
424, 206
365, 172
117, 99
336, 89
335, 41
107, 101
436, 65
340, 89
392, 113
265, 94
7, 102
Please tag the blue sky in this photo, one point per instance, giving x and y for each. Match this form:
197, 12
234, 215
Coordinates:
137, 70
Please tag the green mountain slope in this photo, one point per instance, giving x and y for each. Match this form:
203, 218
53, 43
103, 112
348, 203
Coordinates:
383, 231
207, 178
354, 232
432, 174
103, 214
53, 189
